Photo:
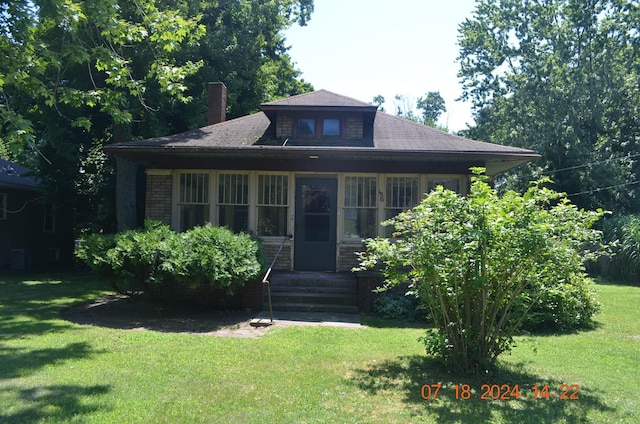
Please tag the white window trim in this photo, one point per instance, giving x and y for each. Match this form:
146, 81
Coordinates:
175, 194
253, 202
251, 192
458, 177
383, 208
342, 187
292, 176
214, 178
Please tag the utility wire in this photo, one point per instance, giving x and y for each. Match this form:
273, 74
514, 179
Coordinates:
590, 164
595, 190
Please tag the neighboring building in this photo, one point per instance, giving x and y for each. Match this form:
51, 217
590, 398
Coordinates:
32, 234
321, 166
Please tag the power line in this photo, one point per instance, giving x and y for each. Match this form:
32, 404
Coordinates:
603, 188
590, 164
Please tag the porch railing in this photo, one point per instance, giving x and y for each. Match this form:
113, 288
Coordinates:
267, 275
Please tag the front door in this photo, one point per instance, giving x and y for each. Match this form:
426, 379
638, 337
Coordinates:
315, 228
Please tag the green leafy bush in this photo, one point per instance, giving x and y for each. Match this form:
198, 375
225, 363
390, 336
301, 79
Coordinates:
482, 263
623, 232
155, 258
397, 306
561, 304
215, 256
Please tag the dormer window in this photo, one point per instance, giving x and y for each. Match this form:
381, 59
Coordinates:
331, 127
307, 127
311, 127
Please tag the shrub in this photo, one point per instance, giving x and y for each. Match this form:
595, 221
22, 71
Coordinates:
216, 257
482, 263
563, 303
624, 233
154, 258
398, 306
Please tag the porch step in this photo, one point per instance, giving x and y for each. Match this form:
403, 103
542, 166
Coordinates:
314, 292
313, 307
314, 298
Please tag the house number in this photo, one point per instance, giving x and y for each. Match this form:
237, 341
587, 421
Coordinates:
381, 196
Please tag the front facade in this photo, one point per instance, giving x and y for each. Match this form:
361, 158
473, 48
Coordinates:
324, 168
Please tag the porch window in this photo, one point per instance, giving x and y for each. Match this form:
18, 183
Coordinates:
233, 201
272, 205
401, 194
193, 200
360, 209
3, 206
450, 183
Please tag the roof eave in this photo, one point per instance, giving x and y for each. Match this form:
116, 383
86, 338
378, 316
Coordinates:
496, 162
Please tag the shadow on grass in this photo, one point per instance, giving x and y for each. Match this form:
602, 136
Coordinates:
30, 304
611, 281
379, 322
408, 374
55, 403
138, 312
17, 362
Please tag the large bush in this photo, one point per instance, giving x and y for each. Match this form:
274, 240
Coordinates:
154, 258
484, 264
624, 233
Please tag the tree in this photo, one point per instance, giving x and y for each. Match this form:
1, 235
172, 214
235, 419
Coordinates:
83, 74
404, 108
432, 106
482, 263
378, 101
559, 77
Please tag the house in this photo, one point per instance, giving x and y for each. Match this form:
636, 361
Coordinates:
321, 166
32, 235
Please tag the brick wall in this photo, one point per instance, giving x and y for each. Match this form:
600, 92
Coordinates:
284, 126
252, 295
158, 198
347, 258
284, 260
354, 129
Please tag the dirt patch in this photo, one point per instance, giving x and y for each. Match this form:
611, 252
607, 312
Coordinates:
137, 313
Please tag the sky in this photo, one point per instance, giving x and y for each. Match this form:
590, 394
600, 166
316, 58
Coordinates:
362, 48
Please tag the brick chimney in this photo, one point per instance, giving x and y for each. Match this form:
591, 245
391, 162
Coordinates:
216, 103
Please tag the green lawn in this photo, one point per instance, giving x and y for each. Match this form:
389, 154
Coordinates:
54, 371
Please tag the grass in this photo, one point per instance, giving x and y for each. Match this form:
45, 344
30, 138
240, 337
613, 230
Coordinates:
52, 370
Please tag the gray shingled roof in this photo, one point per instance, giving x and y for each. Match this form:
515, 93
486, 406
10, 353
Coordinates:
15, 176
394, 138
390, 133
239, 132
319, 98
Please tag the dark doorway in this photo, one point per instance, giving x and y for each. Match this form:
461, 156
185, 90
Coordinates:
315, 229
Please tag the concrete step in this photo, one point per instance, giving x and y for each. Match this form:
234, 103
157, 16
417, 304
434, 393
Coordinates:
313, 307
328, 279
314, 292
314, 289
319, 298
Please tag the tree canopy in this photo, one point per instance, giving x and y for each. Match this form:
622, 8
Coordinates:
560, 77
430, 107
76, 75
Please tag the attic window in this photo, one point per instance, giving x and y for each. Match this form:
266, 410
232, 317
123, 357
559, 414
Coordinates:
306, 126
331, 127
